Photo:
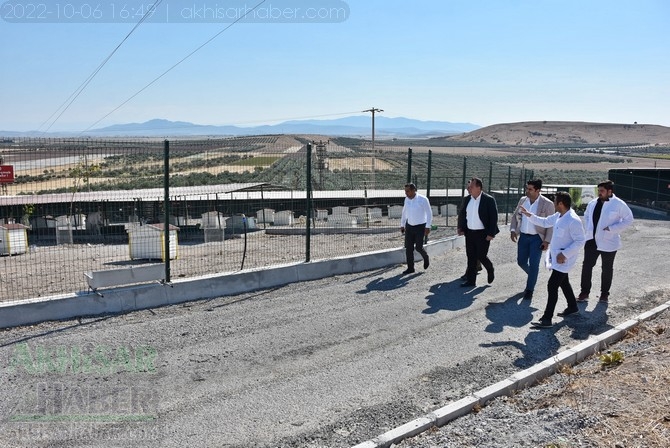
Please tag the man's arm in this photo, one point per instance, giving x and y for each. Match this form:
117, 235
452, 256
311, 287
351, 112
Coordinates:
626, 216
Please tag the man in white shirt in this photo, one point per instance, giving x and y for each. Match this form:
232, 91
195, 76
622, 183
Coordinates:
566, 241
532, 239
478, 221
415, 222
605, 218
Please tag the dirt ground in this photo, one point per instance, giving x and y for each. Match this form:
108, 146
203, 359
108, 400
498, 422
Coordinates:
620, 404
49, 270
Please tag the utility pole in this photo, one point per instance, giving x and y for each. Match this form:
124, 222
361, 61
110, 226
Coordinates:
373, 110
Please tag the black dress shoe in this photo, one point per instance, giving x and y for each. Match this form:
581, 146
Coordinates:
528, 295
542, 323
467, 285
464, 277
491, 276
426, 262
568, 311
408, 271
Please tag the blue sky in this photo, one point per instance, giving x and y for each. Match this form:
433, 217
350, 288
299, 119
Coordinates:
478, 61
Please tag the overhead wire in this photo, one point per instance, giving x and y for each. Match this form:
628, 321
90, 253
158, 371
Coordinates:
74, 95
247, 12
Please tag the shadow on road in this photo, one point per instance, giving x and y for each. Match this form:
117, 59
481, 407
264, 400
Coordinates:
588, 323
450, 297
540, 344
513, 312
388, 283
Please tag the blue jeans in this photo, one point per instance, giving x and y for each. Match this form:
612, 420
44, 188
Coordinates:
529, 253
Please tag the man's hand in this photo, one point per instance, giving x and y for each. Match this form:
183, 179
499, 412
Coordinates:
402, 230
427, 231
460, 232
545, 245
513, 236
489, 238
560, 258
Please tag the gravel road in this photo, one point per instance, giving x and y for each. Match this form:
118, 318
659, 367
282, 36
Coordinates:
328, 363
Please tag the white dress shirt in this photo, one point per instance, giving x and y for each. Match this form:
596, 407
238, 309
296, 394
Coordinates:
416, 211
616, 215
527, 226
472, 214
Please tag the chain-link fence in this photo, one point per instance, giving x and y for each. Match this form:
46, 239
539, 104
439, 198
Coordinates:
70, 206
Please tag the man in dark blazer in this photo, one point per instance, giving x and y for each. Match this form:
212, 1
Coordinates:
478, 221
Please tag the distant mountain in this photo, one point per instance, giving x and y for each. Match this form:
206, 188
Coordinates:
360, 125
533, 133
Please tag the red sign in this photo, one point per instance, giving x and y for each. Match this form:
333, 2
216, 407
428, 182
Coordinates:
6, 174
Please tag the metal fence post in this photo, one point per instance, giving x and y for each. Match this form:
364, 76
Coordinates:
509, 185
490, 186
430, 167
166, 199
463, 180
409, 165
308, 190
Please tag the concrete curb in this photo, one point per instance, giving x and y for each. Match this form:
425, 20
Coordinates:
132, 298
515, 382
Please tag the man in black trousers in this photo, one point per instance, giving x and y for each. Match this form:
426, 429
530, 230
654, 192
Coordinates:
415, 222
478, 221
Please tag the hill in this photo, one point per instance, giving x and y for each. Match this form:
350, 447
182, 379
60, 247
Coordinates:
359, 125
534, 133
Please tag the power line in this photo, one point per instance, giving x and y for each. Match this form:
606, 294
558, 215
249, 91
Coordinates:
74, 95
248, 11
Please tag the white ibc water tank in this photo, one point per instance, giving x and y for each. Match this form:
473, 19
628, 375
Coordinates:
361, 214
395, 211
375, 213
340, 210
342, 221
449, 209
265, 215
284, 218
213, 220
321, 215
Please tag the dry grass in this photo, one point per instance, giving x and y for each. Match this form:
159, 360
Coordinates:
631, 400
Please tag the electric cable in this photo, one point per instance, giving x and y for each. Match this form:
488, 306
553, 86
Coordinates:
175, 65
74, 95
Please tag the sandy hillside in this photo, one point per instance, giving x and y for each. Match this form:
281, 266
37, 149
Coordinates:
566, 132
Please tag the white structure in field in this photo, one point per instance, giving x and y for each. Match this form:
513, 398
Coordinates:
13, 239
265, 215
342, 218
213, 220
361, 214
147, 242
340, 211
435, 209
342, 221
395, 211
236, 223
449, 209
284, 218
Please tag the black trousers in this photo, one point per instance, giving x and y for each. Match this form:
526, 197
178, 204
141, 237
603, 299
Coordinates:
591, 254
557, 280
477, 249
414, 239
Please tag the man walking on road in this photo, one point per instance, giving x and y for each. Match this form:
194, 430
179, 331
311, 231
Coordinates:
566, 241
415, 222
605, 218
478, 221
532, 239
